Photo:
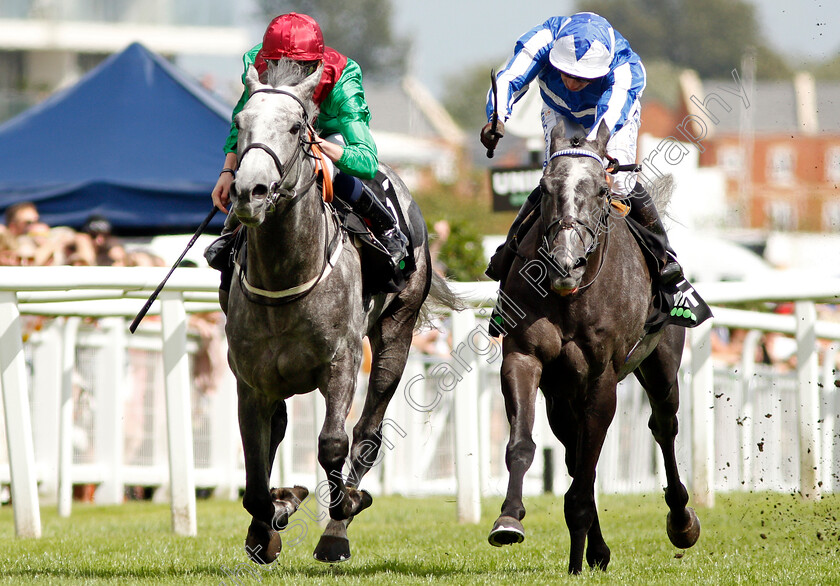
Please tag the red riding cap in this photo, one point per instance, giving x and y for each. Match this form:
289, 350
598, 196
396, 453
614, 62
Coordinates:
292, 35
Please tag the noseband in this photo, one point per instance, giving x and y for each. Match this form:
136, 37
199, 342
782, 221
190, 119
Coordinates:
274, 191
572, 223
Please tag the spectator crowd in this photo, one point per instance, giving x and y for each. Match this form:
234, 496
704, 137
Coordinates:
27, 241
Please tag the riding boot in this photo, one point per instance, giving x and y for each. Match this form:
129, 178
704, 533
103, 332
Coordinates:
219, 255
216, 254
643, 211
223, 298
383, 224
502, 259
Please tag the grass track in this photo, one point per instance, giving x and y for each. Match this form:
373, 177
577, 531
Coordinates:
763, 538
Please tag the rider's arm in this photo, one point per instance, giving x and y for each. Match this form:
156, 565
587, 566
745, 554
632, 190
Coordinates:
615, 104
530, 55
345, 112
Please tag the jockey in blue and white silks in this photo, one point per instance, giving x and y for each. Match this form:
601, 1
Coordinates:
587, 74
582, 47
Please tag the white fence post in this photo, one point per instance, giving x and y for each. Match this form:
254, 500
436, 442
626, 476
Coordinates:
65, 424
807, 374
110, 406
467, 452
751, 344
178, 413
18, 420
702, 418
45, 348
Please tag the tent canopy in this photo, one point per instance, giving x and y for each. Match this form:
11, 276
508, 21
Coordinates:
135, 140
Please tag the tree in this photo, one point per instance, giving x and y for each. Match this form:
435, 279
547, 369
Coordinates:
710, 37
360, 29
466, 94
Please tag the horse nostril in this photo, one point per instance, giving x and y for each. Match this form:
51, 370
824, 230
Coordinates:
580, 262
260, 190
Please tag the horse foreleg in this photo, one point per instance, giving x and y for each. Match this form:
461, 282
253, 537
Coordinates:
520, 376
333, 443
562, 421
658, 375
263, 543
581, 515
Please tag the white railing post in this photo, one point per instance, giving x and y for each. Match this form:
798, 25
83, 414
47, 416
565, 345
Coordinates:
18, 420
807, 374
65, 418
110, 413
178, 413
45, 348
702, 418
830, 411
467, 452
751, 342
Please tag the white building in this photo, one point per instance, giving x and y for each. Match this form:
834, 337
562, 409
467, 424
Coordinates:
47, 44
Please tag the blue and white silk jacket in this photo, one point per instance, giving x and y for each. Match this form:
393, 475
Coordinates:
611, 97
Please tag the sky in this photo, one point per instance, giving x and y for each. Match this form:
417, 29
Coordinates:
451, 34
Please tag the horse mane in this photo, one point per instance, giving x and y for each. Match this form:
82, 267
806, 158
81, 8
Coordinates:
284, 71
289, 73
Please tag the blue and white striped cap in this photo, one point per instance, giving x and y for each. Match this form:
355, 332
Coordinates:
586, 48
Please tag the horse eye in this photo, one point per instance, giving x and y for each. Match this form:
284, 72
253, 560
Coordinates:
605, 191
296, 128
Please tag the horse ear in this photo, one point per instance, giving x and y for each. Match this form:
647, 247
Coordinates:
602, 137
558, 133
310, 83
252, 79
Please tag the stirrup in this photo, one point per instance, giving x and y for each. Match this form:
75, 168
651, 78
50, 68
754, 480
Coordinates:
396, 243
671, 274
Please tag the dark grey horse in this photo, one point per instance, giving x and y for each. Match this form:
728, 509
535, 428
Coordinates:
575, 304
297, 316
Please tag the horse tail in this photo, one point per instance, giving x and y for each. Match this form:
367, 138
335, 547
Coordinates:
661, 189
440, 296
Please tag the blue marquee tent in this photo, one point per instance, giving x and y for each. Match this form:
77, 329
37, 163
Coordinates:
135, 140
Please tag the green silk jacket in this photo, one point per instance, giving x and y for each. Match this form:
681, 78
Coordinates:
343, 111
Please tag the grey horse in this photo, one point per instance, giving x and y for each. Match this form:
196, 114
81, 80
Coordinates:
297, 315
575, 305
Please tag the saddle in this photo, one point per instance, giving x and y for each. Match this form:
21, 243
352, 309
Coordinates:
681, 306
377, 273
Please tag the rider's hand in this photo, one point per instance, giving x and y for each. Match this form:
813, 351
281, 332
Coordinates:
221, 192
488, 138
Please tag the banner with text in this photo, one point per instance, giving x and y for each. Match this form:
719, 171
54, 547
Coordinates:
512, 185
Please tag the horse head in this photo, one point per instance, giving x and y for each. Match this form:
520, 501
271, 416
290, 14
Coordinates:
272, 143
574, 205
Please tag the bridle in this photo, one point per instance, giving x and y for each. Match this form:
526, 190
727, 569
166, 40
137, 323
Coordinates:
275, 190
575, 224
332, 247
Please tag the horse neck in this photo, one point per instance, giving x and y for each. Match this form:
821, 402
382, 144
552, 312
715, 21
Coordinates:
288, 247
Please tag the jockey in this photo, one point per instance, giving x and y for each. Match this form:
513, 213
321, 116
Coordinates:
344, 117
587, 73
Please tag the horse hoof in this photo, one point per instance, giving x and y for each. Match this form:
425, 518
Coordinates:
686, 536
366, 500
286, 502
263, 544
332, 549
506, 531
